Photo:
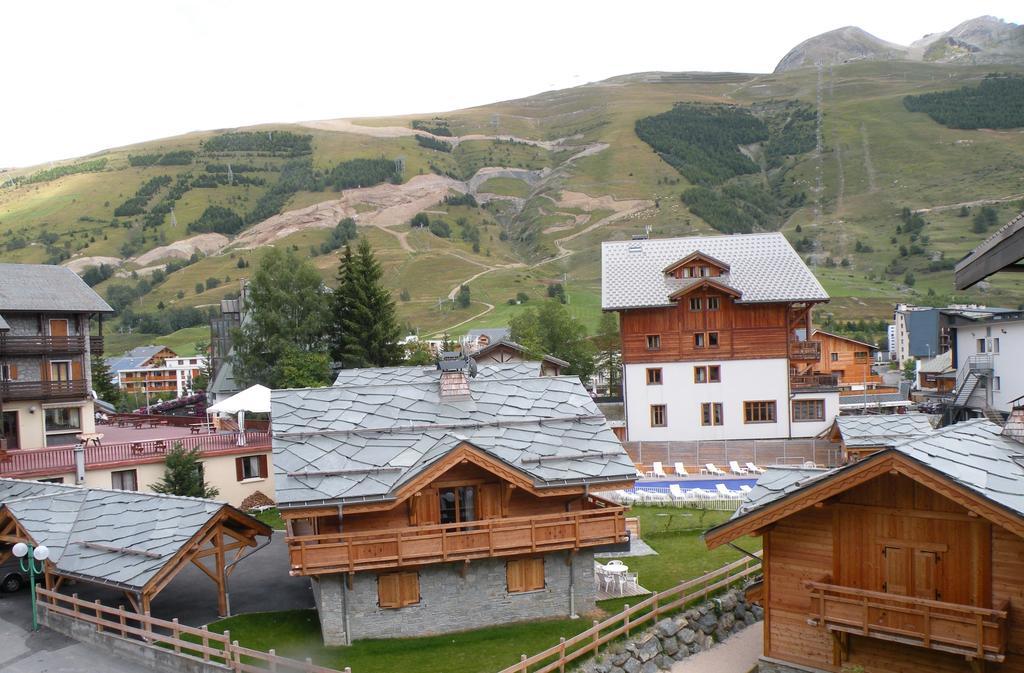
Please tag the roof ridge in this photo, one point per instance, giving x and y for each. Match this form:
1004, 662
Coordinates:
423, 427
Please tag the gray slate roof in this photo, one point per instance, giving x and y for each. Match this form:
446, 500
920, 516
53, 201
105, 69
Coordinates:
763, 268
42, 287
133, 359
377, 376
973, 454
508, 343
350, 444
493, 333
882, 429
62, 517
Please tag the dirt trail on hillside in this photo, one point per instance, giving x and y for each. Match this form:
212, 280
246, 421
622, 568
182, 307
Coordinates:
184, 249
970, 204
348, 126
623, 208
80, 264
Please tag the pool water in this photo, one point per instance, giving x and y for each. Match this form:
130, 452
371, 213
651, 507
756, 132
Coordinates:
709, 484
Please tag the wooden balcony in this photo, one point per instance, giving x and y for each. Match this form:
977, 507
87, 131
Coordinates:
813, 381
977, 633
43, 390
805, 350
339, 552
27, 463
49, 345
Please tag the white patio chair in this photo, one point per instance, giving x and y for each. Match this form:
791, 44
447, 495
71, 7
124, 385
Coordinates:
754, 469
734, 466
745, 488
614, 563
631, 579
713, 469
681, 470
658, 470
653, 497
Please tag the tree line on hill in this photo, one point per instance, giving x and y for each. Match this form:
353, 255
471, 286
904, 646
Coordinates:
48, 174
175, 158
996, 103
281, 143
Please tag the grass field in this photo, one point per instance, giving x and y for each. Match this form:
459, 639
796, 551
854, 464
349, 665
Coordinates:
674, 533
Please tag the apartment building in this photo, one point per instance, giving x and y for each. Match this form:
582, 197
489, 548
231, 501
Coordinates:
156, 370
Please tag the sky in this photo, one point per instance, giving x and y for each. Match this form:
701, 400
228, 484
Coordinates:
78, 77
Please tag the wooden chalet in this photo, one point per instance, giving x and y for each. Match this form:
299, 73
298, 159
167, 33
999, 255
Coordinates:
909, 559
406, 498
506, 351
848, 360
134, 542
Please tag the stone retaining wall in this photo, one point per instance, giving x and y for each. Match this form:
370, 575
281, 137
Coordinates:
673, 639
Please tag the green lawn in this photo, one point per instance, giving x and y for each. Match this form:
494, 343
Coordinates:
674, 533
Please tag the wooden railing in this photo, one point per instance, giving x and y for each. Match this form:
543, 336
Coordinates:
47, 462
805, 350
649, 610
974, 632
812, 381
45, 345
196, 644
42, 390
349, 552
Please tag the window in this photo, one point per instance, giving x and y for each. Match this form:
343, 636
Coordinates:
251, 467
60, 370
981, 345
695, 303
712, 303
713, 339
124, 480
698, 340
700, 374
397, 590
808, 410
705, 271
654, 376
653, 342
835, 357
63, 419
52, 480
687, 272
860, 356
457, 504
525, 574
996, 383
761, 411
995, 345
659, 416
714, 374
711, 413
8, 372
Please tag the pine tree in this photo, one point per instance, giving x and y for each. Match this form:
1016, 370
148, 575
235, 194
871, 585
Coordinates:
105, 389
183, 475
365, 327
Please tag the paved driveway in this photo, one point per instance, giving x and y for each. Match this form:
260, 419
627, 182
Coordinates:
47, 651
260, 583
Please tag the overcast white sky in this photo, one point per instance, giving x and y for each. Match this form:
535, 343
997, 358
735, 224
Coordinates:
78, 77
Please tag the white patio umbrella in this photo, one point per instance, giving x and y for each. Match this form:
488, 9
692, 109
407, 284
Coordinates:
255, 399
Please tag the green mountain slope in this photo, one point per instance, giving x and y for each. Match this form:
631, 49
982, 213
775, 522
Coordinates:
552, 175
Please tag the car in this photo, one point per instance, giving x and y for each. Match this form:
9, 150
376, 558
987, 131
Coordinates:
12, 579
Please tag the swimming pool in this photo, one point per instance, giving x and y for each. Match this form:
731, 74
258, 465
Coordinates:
709, 484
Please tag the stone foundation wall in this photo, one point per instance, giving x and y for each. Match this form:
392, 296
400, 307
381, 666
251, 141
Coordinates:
674, 638
451, 602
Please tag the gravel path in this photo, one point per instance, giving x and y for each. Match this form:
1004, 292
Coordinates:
738, 654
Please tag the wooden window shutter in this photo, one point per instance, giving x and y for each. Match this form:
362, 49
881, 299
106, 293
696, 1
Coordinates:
263, 465
13, 372
76, 370
427, 508
409, 588
534, 575
514, 576
239, 470
490, 501
389, 591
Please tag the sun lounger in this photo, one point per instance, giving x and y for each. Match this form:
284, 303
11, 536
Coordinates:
754, 469
726, 493
657, 470
746, 489
734, 466
653, 497
711, 468
681, 470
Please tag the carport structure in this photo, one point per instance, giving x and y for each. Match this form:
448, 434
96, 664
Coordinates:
135, 542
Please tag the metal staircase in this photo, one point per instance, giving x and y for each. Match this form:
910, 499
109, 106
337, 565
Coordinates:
975, 369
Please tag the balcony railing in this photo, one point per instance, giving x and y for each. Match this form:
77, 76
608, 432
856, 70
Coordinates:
338, 552
42, 390
977, 633
813, 381
48, 345
23, 463
805, 350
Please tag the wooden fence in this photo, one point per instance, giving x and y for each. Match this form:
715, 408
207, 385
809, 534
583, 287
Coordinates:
186, 641
589, 642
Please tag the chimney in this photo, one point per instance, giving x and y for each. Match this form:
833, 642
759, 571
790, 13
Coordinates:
1014, 426
454, 380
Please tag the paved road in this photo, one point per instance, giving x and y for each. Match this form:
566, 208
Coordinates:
260, 583
47, 651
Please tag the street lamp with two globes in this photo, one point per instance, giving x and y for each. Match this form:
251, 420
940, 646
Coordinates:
28, 556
